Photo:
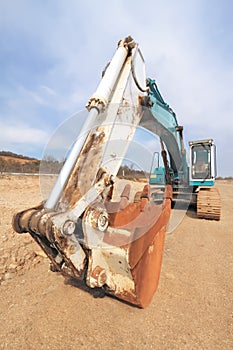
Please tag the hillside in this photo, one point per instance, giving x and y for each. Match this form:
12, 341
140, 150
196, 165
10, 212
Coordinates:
13, 155
17, 163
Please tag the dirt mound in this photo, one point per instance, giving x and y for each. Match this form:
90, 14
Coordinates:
18, 253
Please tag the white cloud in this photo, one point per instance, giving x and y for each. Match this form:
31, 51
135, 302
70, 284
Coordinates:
18, 134
48, 90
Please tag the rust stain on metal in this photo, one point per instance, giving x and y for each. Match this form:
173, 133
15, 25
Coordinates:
128, 264
146, 247
84, 173
99, 274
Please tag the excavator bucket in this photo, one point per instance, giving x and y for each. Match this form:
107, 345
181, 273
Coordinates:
90, 229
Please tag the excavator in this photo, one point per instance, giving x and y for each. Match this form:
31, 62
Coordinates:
111, 238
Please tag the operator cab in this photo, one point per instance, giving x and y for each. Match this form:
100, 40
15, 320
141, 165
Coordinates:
203, 163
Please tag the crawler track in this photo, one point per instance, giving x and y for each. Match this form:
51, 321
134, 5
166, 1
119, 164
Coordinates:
208, 204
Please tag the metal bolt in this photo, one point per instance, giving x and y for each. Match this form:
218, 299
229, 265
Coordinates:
72, 248
68, 227
102, 222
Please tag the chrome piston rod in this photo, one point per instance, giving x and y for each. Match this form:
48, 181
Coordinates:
98, 101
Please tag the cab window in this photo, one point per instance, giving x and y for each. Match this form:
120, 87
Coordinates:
201, 161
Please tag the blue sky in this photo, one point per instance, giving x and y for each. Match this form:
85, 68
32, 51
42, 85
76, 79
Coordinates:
52, 54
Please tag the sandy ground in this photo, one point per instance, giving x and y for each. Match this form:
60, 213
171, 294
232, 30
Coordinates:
192, 309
